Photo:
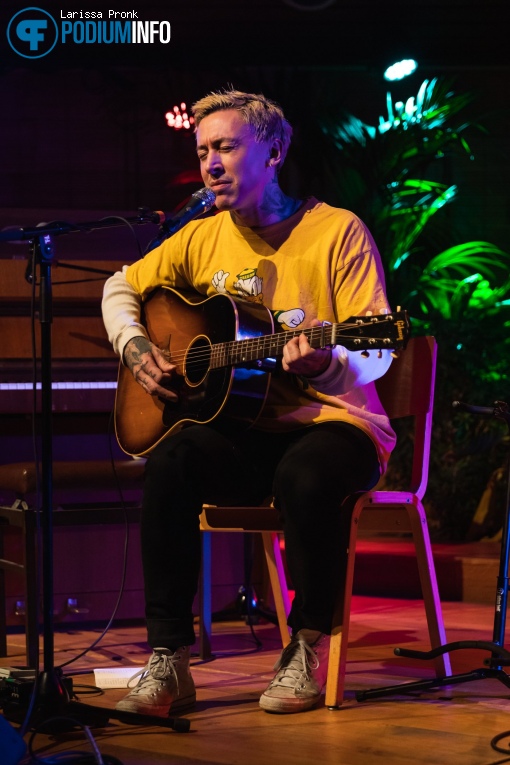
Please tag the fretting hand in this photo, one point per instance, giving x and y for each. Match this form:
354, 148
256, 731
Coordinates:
301, 359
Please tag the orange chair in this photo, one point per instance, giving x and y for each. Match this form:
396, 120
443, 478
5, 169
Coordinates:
407, 390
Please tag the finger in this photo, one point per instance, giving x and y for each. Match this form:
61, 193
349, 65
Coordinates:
157, 367
144, 381
162, 359
165, 393
304, 346
291, 348
292, 356
153, 388
151, 370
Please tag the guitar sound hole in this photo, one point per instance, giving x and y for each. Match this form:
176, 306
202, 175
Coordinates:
198, 359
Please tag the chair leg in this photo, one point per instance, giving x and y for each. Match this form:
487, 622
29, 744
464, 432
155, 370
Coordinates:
204, 600
428, 579
335, 683
278, 585
278, 582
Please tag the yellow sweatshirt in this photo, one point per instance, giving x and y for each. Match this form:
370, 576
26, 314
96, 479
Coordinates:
320, 263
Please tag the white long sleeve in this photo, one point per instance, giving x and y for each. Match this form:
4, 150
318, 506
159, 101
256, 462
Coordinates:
121, 311
349, 369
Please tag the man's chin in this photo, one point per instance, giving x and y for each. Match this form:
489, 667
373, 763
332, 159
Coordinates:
223, 203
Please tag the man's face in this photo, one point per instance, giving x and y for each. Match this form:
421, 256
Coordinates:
232, 162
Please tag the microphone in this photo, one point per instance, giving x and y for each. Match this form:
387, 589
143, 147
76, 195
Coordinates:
200, 202
472, 409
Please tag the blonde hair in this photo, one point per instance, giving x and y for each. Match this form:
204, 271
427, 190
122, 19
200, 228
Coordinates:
263, 115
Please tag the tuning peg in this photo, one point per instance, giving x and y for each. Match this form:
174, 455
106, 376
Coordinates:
369, 313
365, 354
395, 354
379, 354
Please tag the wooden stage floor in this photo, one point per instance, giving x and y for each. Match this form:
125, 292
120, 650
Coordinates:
451, 726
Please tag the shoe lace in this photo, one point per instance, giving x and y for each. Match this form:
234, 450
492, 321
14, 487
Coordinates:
296, 660
161, 666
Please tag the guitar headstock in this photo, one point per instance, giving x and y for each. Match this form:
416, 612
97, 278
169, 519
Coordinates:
361, 333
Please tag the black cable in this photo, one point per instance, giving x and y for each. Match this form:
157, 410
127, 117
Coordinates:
129, 225
250, 613
80, 758
495, 741
81, 281
125, 557
87, 690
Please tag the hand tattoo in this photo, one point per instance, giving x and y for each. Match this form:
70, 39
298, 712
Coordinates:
134, 351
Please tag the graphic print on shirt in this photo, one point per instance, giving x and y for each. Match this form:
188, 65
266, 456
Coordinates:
249, 286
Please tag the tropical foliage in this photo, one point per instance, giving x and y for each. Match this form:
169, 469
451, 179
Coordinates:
392, 175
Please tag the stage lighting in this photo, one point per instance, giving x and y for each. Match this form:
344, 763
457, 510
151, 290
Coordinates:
178, 118
400, 69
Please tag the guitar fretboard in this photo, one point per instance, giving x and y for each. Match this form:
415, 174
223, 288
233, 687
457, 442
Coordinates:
243, 351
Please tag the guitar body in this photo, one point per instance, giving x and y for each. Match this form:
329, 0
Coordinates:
188, 326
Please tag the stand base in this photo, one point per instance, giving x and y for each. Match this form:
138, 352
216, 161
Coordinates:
59, 714
248, 609
499, 657
435, 682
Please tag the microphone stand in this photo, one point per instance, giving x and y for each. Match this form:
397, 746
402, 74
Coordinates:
500, 657
51, 695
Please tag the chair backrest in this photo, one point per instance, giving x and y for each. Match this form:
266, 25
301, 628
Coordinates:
407, 390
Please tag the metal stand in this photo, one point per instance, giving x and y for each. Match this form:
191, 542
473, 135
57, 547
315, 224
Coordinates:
500, 657
51, 696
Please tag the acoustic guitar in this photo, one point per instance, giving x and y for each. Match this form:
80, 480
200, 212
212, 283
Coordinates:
224, 349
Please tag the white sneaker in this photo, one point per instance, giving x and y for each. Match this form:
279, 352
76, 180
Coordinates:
301, 675
165, 685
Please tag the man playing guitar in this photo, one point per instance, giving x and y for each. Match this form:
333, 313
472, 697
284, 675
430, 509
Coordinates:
321, 433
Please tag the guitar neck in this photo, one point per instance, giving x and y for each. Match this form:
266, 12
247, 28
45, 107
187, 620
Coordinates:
359, 333
257, 348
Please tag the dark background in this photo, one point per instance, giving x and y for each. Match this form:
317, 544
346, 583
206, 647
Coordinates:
83, 129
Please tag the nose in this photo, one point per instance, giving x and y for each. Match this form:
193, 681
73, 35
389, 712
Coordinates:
213, 165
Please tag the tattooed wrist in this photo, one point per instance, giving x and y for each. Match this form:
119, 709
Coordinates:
134, 350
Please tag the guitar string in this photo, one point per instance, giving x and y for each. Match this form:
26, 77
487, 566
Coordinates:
197, 355
201, 354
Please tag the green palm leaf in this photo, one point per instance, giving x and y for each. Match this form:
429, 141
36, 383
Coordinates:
459, 293
471, 257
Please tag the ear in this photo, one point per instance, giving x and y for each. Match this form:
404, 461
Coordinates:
275, 157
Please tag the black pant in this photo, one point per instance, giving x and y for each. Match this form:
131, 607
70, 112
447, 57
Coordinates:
309, 471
